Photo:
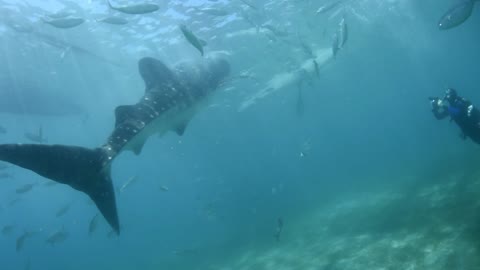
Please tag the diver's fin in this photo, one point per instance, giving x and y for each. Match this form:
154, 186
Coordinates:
156, 74
81, 168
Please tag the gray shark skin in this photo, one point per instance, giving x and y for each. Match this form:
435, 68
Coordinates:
171, 99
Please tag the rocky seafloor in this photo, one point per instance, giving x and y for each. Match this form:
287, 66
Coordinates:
430, 226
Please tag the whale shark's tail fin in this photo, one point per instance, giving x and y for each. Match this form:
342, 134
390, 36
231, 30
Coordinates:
81, 168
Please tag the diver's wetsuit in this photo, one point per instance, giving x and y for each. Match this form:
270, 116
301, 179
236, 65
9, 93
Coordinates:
465, 116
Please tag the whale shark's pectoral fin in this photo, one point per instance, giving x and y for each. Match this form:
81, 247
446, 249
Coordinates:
180, 129
137, 147
156, 74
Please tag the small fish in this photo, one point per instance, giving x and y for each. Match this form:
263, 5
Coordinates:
62, 211
92, 227
456, 15
59, 14
250, 21
24, 189
300, 108
114, 20
7, 229
38, 138
111, 234
276, 31
317, 69
5, 175
50, 183
3, 130
21, 240
306, 49
328, 7
13, 202
65, 23
192, 39
213, 11
252, 6
335, 45
164, 188
342, 33
27, 265
130, 181
4, 166
136, 9
279, 229
57, 237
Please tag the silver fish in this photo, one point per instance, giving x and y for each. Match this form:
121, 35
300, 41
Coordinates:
342, 33
130, 181
276, 31
279, 229
328, 7
164, 188
135, 9
24, 189
14, 201
57, 237
7, 229
114, 20
4, 175
251, 5
335, 43
92, 227
4, 166
62, 211
317, 69
300, 108
456, 15
59, 14
111, 234
192, 39
214, 11
21, 240
28, 265
50, 183
38, 138
65, 23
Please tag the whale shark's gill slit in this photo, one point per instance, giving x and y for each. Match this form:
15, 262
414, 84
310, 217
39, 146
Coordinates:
81, 168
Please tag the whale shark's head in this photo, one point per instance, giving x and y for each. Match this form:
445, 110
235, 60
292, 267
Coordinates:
218, 69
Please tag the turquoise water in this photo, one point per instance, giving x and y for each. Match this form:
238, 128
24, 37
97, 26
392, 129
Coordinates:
362, 176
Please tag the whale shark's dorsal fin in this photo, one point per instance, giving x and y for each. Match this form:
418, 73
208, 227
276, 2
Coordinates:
156, 74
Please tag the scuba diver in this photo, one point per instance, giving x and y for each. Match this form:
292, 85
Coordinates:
460, 110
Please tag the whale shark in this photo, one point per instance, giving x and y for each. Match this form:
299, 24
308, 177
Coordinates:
172, 97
